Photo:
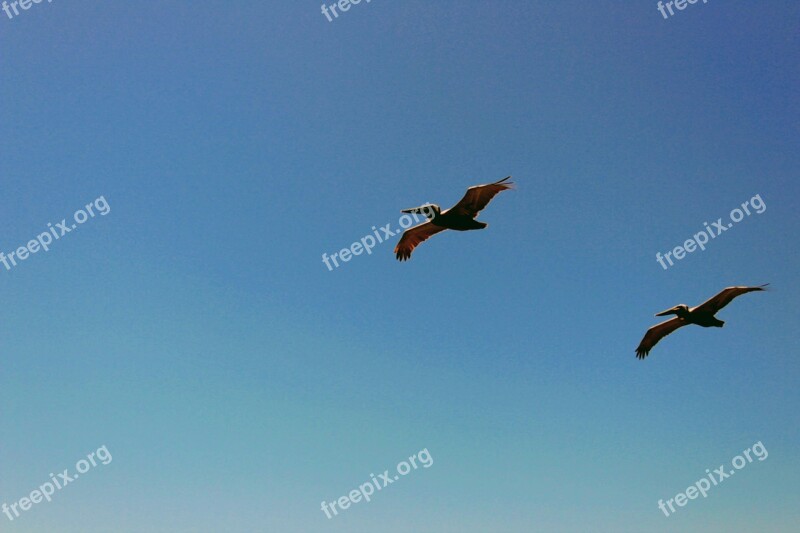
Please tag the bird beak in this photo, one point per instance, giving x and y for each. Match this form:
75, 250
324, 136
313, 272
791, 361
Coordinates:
417, 210
670, 311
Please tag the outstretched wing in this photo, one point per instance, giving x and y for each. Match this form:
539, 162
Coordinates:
656, 333
413, 236
724, 298
479, 196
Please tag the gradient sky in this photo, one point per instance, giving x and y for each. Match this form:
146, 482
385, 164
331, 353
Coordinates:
237, 382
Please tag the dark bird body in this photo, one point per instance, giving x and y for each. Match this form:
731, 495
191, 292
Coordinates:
702, 315
460, 217
452, 220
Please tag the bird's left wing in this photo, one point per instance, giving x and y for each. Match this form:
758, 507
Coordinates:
656, 333
412, 237
479, 196
725, 297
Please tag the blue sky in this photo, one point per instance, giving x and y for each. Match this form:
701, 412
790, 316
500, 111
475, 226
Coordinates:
196, 333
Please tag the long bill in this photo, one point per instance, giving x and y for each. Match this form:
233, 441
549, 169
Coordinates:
429, 210
670, 311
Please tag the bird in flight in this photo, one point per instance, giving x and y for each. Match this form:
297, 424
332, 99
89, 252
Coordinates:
460, 217
702, 315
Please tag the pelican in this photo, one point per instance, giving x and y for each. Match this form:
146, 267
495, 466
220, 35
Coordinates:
460, 217
702, 315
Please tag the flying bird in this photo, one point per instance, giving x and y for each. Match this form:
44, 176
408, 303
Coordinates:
460, 217
702, 315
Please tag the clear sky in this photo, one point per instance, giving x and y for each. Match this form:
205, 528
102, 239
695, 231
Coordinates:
237, 382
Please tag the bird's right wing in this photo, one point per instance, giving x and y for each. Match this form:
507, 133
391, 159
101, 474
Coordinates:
479, 196
412, 237
714, 304
656, 333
